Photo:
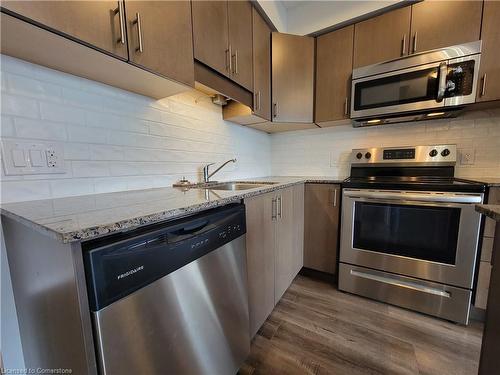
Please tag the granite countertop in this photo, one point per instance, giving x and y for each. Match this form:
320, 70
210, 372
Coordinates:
84, 217
490, 210
490, 181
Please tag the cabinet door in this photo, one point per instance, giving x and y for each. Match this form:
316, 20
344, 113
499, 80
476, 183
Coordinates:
489, 70
160, 38
321, 226
262, 67
98, 23
333, 74
284, 265
381, 38
436, 24
240, 40
292, 78
260, 243
298, 232
210, 34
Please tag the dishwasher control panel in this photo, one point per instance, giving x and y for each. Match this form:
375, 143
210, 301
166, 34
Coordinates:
117, 269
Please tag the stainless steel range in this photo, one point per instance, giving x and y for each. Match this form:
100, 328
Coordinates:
409, 230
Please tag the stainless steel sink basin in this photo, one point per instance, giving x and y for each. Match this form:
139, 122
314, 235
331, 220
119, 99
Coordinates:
239, 185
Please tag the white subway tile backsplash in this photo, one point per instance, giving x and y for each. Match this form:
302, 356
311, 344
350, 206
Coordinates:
303, 152
19, 106
21, 85
90, 168
74, 186
87, 134
38, 129
116, 140
62, 113
6, 126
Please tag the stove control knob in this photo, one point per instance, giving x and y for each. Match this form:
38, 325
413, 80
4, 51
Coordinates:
433, 153
368, 155
445, 152
359, 155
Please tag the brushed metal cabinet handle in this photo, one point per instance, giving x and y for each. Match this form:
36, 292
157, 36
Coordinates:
121, 16
415, 42
273, 209
346, 107
230, 59
137, 21
280, 207
255, 103
403, 45
483, 86
334, 197
258, 96
275, 110
235, 62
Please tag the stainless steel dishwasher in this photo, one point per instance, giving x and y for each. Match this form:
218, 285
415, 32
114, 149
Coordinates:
172, 299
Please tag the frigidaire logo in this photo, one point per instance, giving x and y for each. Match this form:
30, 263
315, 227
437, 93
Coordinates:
131, 272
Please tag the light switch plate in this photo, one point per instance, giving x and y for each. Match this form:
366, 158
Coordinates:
37, 157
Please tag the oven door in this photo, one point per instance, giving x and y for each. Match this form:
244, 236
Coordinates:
427, 235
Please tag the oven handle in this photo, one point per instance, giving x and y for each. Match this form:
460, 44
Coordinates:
401, 283
441, 197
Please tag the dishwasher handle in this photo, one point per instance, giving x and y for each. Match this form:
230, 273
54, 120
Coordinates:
189, 231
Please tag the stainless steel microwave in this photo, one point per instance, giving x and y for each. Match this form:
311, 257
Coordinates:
426, 85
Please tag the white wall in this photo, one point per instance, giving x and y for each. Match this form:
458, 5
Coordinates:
326, 151
312, 16
116, 140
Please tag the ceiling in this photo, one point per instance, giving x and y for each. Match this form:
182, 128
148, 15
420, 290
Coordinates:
307, 17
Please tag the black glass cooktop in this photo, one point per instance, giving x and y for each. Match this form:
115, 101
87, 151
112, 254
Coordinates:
431, 183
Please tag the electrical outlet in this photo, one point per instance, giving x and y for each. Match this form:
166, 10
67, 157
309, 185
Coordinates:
52, 159
467, 156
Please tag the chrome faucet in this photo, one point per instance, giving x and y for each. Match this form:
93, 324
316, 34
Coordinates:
207, 176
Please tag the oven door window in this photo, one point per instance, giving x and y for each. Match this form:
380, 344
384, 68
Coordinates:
396, 89
420, 232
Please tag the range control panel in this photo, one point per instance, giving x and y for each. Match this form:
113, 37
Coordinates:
430, 154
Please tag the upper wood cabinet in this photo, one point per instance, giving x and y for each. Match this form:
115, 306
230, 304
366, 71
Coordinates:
160, 37
240, 42
490, 56
321, 226
100, 24
222, 35
211, 34
292, 78
436, 24
381, 38
333, 75
261, 67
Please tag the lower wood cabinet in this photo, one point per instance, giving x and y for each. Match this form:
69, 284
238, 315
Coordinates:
321, 226
485, 264
274, 248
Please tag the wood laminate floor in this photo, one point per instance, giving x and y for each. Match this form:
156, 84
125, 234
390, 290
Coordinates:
315, 329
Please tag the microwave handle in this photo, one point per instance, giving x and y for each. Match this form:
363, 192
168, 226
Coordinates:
443, 71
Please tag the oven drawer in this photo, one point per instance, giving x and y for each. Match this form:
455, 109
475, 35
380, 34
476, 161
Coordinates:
440, 300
